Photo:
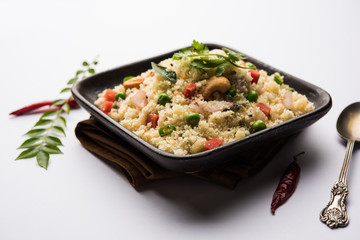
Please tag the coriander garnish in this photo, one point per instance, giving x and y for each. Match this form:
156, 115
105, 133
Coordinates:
206, 60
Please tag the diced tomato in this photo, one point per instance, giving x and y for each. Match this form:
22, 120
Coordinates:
213, 143
264, 108
106, 106
255, 75
110, 95
153, 119
190, 90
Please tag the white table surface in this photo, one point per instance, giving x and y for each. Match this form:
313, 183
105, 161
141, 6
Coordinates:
42, 44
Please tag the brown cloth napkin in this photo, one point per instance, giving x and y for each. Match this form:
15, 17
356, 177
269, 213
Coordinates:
140, 170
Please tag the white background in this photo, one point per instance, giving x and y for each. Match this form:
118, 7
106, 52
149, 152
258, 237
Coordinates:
42, 44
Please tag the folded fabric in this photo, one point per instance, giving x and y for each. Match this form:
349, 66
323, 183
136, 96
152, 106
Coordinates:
141, 170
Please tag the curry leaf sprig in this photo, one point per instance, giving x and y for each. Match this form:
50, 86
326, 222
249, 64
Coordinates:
207, 60
43, 138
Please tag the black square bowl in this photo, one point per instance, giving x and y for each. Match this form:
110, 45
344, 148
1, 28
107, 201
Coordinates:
86, 91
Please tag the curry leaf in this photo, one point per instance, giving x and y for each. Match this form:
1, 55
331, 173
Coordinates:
51, 140
49, 113
43, 122
51, 149
36, 132
58, 102
30, 143
62, 120
43, 159
65, 90
72, 81
79, 72
58, 129
66, 108
163, 71
29, 153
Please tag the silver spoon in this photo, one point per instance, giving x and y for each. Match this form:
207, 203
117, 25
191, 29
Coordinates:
348, 126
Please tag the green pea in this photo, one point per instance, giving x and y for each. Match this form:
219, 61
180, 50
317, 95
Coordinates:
163, 99
193, 119
250, 65
120, 95
252, 96
278, 80
232, 91
166, 130
127, 78
259, 125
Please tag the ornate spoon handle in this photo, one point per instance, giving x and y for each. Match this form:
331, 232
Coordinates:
334, 214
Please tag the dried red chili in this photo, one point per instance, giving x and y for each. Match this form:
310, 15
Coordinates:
30, 108
33, 107
72, 103
287, 185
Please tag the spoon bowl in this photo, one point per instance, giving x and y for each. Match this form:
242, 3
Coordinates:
348, 126
348, 123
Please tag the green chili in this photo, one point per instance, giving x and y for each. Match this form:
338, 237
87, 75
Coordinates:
166, 130
278, 80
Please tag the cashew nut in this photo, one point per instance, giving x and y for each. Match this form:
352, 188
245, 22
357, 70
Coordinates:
216, 84
133, 83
